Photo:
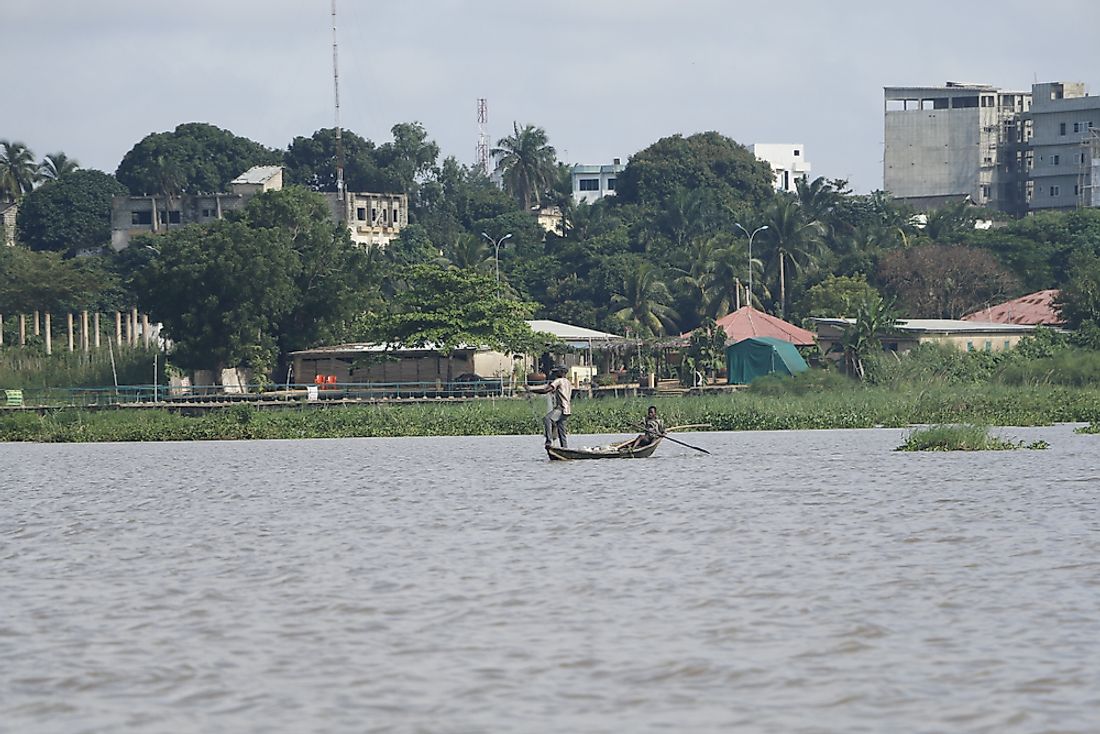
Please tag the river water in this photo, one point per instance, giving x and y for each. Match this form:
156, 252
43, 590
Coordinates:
809, 581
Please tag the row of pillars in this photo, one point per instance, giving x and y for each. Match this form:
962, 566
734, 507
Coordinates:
130, 329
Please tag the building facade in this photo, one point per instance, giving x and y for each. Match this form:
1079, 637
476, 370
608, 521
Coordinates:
958, 141
372, 219
788, 162
591, 183
1065, 147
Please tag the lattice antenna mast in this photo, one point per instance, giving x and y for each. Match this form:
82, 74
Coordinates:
483, 135
336, 94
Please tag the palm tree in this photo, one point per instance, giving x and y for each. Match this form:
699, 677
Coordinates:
56, 165
469, 252
18, 171
727, 273
642, 302
528, 162
875, 318
795, 242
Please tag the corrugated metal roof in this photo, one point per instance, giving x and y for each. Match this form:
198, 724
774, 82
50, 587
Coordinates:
1035, 309
257, 175
747, 322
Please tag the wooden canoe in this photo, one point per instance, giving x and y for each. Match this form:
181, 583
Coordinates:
616, 451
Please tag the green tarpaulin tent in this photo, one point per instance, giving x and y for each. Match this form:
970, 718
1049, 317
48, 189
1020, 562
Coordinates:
762, 355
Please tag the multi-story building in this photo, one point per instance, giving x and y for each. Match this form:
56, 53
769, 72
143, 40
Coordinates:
788, 162
1065, 147
955, 142
372, 219
595, 182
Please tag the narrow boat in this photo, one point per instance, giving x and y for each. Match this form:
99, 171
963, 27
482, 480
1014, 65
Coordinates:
622, 450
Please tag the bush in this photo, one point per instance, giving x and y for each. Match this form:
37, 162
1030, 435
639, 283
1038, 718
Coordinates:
810, 381
960, 438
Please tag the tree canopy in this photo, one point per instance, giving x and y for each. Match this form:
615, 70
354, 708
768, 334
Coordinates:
195, 158
70, 214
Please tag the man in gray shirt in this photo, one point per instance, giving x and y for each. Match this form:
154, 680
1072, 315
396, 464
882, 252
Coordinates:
561, 407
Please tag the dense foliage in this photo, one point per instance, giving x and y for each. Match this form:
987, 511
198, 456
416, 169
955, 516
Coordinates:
70, 213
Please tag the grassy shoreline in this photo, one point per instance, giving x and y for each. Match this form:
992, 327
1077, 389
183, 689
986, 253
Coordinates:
857, 407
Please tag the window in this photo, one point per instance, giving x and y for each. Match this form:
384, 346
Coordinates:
1076, 127
396, 210
989, 345
970, 346
207, 213
985, 192
590, 184
610, 184
361, 213
1054, 191
987, 101
1056, 160
1008, 344
963, 102
174, 217
1061, 128
1076, 189
168, 217
142, 217
797, 152
373, 215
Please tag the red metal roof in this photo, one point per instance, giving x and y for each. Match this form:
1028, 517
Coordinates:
746, 322
1035, 309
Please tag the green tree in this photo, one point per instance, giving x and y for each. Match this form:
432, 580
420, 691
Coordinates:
44, 281
70, 214
705, 161
410, 157
528, 162
445, 308
220, 291
642, 302
18, 171
195, 158
944, 281
793, 244
1078, 300
839, 296
874, 318
56, 165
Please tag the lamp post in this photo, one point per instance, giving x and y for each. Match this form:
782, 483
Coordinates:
496, 254
750, 236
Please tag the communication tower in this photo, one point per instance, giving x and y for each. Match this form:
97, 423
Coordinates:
483, 135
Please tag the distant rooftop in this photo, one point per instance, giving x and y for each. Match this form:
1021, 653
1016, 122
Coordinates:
1035, 309
257, 175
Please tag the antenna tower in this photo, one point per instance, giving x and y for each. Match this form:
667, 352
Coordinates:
336, 93
483, 135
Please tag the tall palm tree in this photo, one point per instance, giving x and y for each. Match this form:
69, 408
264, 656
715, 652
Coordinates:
728, 271
528, 162
795, 243
469, 252
56, 165
18, 171
642, 302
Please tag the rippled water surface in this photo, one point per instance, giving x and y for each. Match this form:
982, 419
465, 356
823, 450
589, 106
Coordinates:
790, 582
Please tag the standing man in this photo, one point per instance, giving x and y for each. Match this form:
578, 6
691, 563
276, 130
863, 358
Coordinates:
561, 407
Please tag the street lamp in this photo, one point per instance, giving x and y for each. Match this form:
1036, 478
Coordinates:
496, 254
750, 236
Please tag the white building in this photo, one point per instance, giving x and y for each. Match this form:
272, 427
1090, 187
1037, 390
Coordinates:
788, 162
591, 183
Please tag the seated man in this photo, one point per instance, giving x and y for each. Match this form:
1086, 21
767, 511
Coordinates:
654, 429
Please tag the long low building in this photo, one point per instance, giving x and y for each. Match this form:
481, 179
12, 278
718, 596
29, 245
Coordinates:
971, 336
379, 363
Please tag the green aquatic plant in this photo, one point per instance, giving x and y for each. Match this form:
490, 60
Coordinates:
964, 437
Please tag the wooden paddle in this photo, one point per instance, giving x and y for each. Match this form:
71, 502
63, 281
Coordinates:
670, 438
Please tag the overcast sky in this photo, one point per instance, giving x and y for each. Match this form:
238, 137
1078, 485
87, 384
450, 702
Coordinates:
605, 78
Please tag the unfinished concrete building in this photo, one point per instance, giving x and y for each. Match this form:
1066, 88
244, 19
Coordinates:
959, 141
1065, 147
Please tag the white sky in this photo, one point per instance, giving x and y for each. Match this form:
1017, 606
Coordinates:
605, 78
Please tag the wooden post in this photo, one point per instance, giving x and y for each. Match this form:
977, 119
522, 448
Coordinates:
118, 329
95, 325
37, 329
22, 329
85, 342
127, 328
145, 329
1, 329
133, 326
49, 334
69, 324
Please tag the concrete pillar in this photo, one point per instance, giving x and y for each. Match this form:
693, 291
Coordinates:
49, 334
133, 326
22, 330
145, 329
69, 330
85, 342
118, 329
37, 329
1, 329
95, 325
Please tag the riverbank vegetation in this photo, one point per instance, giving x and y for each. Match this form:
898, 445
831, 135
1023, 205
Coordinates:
845, 406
